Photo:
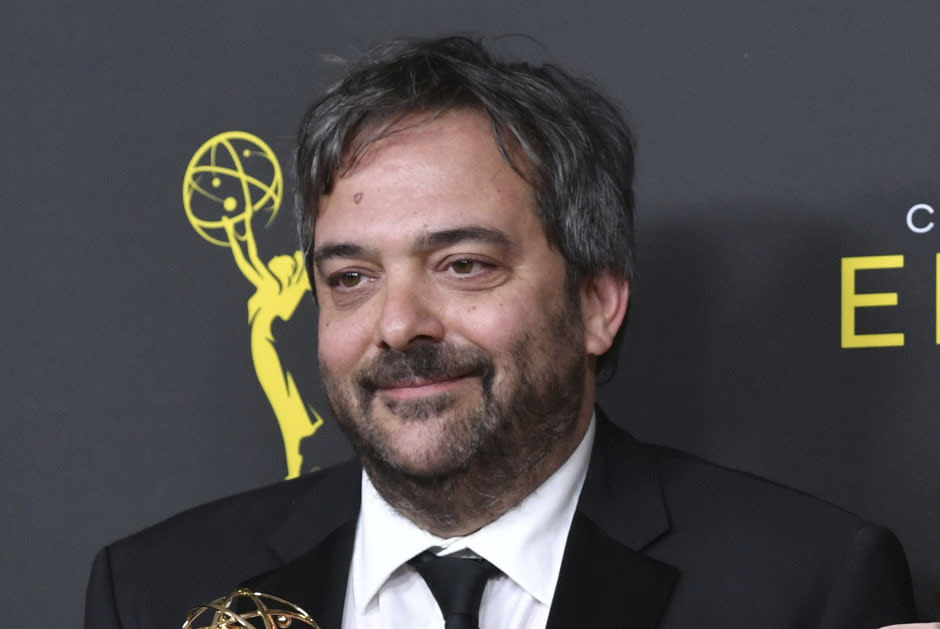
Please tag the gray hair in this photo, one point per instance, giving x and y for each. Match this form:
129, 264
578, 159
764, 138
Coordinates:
578, 147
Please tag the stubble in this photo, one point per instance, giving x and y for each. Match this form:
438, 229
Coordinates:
492, 451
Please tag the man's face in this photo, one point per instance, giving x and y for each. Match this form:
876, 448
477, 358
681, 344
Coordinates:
448, 340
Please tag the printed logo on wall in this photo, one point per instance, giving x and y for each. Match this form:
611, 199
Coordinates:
919, 220
230, 179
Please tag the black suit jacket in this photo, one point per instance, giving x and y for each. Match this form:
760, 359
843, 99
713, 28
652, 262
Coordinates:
659, 539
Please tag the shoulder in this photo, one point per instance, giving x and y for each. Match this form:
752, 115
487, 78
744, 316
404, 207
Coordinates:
240, 517
781, 551
153, 577
696, 491
708, 494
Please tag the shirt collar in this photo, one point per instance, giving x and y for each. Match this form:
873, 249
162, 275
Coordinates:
526, 543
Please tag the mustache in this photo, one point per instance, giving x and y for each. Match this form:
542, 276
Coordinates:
428, 361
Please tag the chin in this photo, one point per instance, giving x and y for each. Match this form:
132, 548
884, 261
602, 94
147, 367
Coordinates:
426, 452
425, 470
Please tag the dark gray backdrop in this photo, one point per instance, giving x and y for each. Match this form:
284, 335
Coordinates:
774, 139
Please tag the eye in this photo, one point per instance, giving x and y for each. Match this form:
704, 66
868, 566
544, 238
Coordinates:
347, 279
465, 266
470, 272
470, 266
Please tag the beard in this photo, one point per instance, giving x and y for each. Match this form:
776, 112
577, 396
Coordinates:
482, 449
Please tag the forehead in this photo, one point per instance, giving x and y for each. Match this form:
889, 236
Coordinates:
428, 173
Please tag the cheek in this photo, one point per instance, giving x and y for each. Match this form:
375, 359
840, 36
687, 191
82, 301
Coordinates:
340, 343
498, 324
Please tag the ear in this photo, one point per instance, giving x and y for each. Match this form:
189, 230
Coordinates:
604, 300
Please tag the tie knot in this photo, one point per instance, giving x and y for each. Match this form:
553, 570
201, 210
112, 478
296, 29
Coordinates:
457, 585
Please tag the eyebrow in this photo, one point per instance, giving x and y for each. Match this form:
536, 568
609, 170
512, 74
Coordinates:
339, 250
425, 242
447, 237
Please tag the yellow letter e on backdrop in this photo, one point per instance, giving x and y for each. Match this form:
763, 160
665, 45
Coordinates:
852, 300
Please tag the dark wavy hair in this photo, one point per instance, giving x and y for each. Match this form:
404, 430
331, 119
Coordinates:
578, 148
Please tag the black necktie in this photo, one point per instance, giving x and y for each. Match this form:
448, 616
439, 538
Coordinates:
457, 585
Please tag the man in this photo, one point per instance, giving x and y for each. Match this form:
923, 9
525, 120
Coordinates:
467, 225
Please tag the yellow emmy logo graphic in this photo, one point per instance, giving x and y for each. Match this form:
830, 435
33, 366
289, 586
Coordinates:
232, 177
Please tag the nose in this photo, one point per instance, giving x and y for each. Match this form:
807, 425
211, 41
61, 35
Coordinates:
409, 315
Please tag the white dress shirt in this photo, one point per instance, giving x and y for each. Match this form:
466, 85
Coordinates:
526, 543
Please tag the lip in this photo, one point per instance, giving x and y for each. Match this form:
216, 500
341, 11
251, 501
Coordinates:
422, 388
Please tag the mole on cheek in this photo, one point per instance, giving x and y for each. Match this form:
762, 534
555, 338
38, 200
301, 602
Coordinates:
357, 197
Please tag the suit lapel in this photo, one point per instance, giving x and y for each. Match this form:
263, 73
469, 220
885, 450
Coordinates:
324, 507
315, 540
605, 584
315, 581
605, 579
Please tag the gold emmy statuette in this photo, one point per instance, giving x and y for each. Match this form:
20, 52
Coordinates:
244, 608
